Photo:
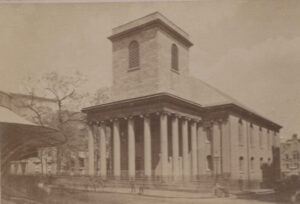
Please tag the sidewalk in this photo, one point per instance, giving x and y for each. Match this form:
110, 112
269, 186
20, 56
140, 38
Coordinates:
147, 192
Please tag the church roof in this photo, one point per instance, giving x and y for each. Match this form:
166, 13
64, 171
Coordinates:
209, 97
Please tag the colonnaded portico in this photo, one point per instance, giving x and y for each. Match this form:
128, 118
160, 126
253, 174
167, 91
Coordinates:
148, 140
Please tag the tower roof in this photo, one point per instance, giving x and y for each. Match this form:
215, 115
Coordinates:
153, 19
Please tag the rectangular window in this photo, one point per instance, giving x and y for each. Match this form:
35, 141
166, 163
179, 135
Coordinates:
241, 163
81, 162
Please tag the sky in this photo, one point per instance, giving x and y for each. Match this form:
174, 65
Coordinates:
248, 49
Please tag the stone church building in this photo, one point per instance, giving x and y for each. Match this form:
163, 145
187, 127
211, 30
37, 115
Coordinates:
167, 125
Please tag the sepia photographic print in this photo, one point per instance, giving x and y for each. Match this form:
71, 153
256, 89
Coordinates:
174, 102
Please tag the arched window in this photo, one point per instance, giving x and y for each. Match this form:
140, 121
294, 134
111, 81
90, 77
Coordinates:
134, 55
241, 163
274, 139
268, 139
209, 163
72, 163
261, 161
252, 163
174, 57
251, 136
260, 138
241, 135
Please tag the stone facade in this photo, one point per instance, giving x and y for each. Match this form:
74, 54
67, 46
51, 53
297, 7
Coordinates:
290, 157
168, 125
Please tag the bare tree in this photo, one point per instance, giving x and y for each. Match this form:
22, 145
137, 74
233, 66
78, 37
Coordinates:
63, 110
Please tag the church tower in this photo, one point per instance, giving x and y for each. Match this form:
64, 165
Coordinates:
149, 55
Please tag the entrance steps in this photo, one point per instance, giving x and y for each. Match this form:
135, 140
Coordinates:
85, 182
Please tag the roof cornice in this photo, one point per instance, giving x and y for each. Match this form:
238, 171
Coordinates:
161, 97
240, 110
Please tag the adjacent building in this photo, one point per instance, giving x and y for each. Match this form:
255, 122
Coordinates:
290, 156
164, 123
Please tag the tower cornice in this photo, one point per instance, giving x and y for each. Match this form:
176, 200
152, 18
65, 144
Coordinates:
152, 20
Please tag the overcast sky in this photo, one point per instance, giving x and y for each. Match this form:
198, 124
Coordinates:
248, 49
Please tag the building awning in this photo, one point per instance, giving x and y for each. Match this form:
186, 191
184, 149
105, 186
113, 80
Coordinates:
20, 138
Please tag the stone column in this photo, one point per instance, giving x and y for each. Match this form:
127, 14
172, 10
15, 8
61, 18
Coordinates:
147, 147
226, 146
201, 149
216, 148
185, 147
91, 156
164, 144
102, 152
194, 148
116, 152
131, 148
175, 147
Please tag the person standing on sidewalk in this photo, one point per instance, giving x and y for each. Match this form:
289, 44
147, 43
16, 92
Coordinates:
132, 186
141, 189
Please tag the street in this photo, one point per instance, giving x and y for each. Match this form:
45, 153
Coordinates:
117, 198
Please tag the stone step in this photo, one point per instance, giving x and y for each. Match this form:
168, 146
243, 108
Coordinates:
93, 183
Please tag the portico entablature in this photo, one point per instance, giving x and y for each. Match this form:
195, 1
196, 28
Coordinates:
143, 106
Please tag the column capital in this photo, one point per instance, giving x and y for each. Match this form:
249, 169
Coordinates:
206, 124
100, 122
145, 115
175, 115
163, 112
91, 123
128, 117
197, 121
186, 117
113, 120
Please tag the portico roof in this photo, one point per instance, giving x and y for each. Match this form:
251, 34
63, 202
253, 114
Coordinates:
167, 97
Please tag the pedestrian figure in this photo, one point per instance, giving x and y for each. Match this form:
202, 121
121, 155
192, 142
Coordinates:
132, 187
241, 184
220, 191
141, 189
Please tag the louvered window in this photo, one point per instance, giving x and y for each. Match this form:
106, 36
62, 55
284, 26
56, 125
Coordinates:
174, 60
134, 56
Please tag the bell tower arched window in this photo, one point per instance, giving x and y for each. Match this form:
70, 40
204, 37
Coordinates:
134, 55
174, 57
